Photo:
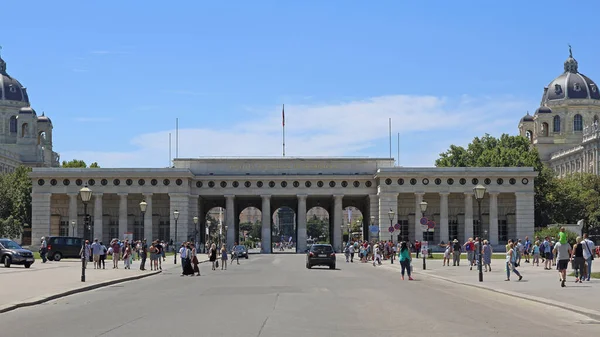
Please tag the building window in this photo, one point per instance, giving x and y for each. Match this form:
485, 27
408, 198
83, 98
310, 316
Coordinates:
476, 229
403, 235
556, 122
428, 236
502, 231
544, 129
13, 124
452, 230
164, 231
577, 123
113, 229
138, 231
63, 230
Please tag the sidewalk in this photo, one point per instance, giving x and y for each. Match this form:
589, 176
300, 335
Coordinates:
538, 285
47, 281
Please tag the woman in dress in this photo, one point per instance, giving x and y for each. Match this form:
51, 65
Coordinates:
195, 260
487, 255
153, 255
212, 256
223, 257
127, 256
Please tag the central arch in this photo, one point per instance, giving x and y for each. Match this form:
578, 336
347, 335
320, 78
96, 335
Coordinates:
318, 225
250, 229
284, 230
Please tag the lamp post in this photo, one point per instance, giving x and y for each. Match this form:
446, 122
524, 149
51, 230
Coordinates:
225, 237
391, 214
73, 223
86, 195
479, 194
143, 206
195, 218
423, 206
176, 217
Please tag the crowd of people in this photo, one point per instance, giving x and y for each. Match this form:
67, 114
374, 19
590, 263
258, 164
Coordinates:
125, 251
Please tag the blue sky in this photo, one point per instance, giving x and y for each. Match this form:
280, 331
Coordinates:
114, 75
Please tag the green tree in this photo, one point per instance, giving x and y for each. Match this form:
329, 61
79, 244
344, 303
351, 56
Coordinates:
506, 151
575, 197
317, 228
75, 163
15, 202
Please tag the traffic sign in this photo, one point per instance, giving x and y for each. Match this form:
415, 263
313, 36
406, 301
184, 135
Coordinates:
374, 229
397, 226
430, 224
423, 221
391, 229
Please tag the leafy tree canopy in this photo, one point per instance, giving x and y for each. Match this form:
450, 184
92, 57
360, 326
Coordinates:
15, 202
75, 163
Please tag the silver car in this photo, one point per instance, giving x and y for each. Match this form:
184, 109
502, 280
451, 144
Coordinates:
12, 253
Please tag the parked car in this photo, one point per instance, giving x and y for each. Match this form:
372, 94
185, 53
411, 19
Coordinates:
241, 251
320, 255
61, 247
12, 253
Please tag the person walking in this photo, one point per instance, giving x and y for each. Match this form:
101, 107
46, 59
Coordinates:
470, 248
212, 256
511, 262
84, 253
160, 254
223, 257
116, 253
43, 249
588, 254
127, 255
96, 253
456, 249
536, 254
351, 251
578, 262
562, 252
195, 259
487, 255
546, 249
143, 254
234, 253
405, 258
103, 252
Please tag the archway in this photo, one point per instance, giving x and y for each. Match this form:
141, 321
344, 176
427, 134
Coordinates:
41, 138
529, 135
352, 224
250, 229
215, 227
284, 230
318, 226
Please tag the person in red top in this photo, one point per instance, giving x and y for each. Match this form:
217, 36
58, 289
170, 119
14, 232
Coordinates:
418, 247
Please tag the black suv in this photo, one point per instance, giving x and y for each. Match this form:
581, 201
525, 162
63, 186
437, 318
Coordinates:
12, 253
241, 252
320, 255
61, 247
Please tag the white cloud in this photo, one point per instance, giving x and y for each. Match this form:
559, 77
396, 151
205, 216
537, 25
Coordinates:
350, 128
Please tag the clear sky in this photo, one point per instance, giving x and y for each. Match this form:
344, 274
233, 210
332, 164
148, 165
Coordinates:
114, 75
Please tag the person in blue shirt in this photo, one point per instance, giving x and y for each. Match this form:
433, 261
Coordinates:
527, 250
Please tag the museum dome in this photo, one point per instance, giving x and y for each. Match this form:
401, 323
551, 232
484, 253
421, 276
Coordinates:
527, 118
10, 88
571, 84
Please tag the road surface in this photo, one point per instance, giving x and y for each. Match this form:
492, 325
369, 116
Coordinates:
276, 296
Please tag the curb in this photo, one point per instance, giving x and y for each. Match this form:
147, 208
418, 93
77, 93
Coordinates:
44, 299
582, 311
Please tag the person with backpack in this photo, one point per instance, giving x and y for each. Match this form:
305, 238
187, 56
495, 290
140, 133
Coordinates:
470, 248
511, 262
456, 250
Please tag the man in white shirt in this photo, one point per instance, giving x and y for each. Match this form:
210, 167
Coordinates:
588, 253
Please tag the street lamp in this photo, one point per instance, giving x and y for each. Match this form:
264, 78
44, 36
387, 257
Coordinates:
225, 238
176, 217
391, 214
479, 194
73, 223
143, 206
423, 206
195, 218
86, 195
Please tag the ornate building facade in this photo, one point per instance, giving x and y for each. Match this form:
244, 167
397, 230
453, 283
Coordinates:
25, 137
565, 128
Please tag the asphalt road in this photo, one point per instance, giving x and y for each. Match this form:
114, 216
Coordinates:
276, 296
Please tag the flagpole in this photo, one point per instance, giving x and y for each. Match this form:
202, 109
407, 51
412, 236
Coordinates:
283, 125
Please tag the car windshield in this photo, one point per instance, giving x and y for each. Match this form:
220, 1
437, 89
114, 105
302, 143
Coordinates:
321, 248
239, 248
8, 244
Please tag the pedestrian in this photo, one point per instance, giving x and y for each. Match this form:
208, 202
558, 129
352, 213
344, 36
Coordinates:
528, 247
511, 262
546, 249
376, 255
160, 254
212, 256
223, 257
143, 254
186, 260
536, 254
578, 262
405, 259
447, 252
588, 255
563, 253
127, 255
43, 249
351, 250
487, 255
234, 253
195, 260
103, 251
470, 249
96, 253
116, 253
347, 252
84, 253
456, 249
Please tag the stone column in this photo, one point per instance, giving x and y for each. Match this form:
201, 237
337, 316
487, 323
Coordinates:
525, 214
266, 224
387, 201
337, 222
193, 201
373, 211
443, 225
148, 225
201, 221
98, 225
468, 216
73, 213
40, 217
230, 220
418, 214
301, 239
179, 231
493, 231
122, 215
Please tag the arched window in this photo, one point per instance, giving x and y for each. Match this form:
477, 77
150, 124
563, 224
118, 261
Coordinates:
577, 123
13, 124
545, 129
556, 123
24, 130
529, 135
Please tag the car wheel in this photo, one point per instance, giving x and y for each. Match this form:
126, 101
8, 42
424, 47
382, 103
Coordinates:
7, 261
27, 265
308, 266
246, 257
332, 266
57, 257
